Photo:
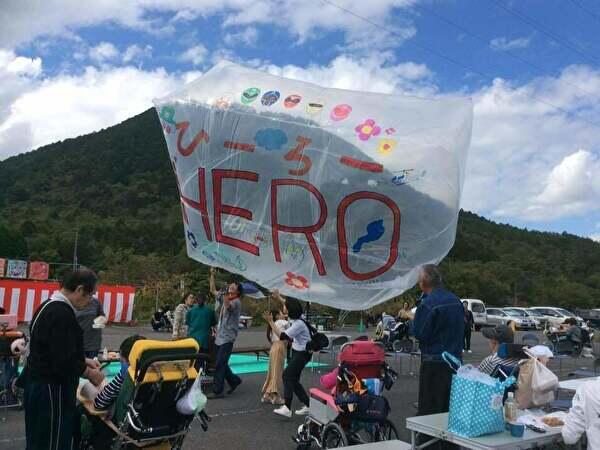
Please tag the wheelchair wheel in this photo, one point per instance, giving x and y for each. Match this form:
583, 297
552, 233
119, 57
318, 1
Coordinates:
334, 436
386, 432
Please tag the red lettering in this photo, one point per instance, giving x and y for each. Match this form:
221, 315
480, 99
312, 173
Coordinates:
200, 205
219, 208
183, 211
361, 165
306, 231
343, 243
239, 146
189, 149
297, 154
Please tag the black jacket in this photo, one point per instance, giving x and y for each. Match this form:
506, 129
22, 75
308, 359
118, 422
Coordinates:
56, 348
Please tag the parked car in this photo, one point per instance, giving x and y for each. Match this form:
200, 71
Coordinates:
539, 319
495, 316
477, 307
556, 316
522, 320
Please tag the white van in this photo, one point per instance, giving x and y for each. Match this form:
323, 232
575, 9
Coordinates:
477, 307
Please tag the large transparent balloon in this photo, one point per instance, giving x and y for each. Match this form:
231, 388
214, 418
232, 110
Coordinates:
328, 195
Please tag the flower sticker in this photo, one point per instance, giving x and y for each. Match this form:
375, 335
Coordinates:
296, 281
386, 146
367, 129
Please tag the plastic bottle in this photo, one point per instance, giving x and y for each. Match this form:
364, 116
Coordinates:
510, 408
105, 354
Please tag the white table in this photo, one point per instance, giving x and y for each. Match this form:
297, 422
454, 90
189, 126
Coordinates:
572, 385
436, 426
385, 445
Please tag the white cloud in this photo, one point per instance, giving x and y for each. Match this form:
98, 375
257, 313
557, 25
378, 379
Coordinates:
104, 51
301, 18
595, 237
248, 36
524, 161
195, 55
374, 74
503, 43
135, 52
41, 111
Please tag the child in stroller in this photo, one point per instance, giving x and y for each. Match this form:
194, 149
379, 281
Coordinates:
354, 411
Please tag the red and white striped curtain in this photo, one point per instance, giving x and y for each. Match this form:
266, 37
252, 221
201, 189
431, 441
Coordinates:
24, 297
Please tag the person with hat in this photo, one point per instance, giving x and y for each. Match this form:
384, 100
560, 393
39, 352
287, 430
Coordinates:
500, 334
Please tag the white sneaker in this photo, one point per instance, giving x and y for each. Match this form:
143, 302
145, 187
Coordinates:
283, 411
302, 411
470, 351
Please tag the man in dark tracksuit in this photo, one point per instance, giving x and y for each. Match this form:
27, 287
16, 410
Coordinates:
55, 363
439, 326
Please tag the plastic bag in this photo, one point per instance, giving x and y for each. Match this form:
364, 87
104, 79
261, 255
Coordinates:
469, 372
543, 384
329, 195
193, 400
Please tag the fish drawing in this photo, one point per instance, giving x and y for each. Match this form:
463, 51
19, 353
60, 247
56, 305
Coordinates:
374, 232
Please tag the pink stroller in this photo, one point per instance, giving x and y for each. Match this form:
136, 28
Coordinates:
356, 411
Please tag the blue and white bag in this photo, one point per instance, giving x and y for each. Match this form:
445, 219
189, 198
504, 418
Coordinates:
475, 400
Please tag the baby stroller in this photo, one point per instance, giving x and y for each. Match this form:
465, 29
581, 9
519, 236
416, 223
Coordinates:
11, 343
162, 320
145, 412
356, 411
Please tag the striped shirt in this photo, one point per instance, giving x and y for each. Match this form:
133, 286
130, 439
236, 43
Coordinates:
491, 362
107, 396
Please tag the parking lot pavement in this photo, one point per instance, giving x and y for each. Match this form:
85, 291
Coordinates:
241, 422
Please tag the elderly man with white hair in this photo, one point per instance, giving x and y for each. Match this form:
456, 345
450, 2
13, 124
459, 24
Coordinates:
439, 326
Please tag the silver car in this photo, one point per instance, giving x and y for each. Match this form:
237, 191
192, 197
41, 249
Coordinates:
521, 319
495, 316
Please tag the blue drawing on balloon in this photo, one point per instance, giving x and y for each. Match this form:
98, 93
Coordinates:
270, 138
374, 232
192, 239
220, 256
167, 113
269, 98
401, 177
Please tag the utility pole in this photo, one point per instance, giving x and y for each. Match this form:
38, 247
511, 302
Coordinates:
75, 250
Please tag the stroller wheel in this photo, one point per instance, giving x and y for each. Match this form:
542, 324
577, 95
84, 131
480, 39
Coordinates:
334, 436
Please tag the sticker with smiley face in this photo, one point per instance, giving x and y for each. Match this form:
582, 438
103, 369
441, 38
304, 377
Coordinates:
269, 98
291, 101
314, 108
249, 95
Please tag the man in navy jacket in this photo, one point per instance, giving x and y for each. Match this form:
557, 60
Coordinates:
439, 327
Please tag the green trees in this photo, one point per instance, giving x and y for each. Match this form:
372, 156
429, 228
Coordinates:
117, 190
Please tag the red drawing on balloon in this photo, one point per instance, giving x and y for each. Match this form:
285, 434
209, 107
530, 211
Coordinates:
239, 146
361, 165
297, 154
296, 281
189, 149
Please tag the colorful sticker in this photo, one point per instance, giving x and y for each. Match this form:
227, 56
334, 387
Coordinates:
291, 101
167, 113
249, 95
340, 112
367, 129
314, 108
223, 102
270, 138
386, 146
296, 281
389, 131
270, 98
401, 178
374, 232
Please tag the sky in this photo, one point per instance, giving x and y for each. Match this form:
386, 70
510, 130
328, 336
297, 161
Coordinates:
532, 68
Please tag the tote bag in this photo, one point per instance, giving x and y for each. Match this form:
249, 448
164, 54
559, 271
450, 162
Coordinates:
475, 402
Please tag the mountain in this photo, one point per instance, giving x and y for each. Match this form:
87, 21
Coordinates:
116, 190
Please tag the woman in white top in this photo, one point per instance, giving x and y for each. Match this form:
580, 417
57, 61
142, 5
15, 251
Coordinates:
299, 334
272, 390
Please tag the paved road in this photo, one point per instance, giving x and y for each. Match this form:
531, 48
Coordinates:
242, 422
